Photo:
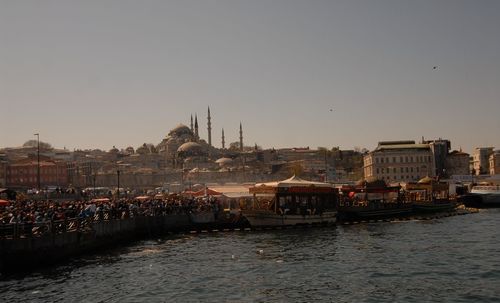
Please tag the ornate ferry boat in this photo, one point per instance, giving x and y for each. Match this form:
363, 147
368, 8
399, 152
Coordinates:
293, 201
429, 196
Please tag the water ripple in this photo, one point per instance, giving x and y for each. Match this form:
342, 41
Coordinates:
448, 260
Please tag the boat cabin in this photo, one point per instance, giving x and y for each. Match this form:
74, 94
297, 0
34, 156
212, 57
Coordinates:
365, 193
294, 196
427, 189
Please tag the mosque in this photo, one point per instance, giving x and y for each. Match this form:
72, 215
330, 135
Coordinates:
183, 147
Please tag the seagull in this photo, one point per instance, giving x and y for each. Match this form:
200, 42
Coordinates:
331, 109
435, 67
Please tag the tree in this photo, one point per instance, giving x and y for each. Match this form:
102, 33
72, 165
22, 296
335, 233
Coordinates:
234, 146
34, 143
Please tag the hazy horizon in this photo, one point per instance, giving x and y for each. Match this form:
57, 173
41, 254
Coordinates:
93, 74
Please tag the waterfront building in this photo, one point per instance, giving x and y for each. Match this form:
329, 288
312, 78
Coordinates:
3, 170
481, 160
457, 163
23, 173
495, 163
399, 161
439, 149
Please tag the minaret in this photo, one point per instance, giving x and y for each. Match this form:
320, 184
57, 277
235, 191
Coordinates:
196, 136
192, 129
223, 142
209, 128
241, 138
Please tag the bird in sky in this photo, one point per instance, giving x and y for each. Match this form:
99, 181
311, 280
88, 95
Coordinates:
435, 67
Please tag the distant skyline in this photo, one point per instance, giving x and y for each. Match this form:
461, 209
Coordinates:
94, 74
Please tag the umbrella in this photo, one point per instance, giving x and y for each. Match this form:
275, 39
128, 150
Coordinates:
4, 203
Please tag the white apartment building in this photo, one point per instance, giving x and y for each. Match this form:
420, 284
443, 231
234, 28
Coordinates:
399, 161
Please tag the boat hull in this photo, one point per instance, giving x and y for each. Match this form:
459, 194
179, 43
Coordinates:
480, 200
433, 207
353, 213
270, 219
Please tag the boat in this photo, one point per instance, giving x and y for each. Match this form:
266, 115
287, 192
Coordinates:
370, 200
482, 196
429, 196
291, 202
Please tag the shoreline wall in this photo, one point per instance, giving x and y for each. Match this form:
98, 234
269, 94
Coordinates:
25, 253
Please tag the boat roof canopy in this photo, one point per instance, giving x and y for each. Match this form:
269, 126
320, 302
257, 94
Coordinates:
293, 182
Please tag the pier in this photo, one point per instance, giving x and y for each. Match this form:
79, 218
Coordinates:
24, 246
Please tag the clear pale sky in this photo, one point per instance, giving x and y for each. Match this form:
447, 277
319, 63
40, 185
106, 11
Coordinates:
93, 74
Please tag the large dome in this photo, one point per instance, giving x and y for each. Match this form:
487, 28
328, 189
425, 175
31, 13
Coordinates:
180, 130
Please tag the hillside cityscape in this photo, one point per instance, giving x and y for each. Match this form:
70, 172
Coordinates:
183, 159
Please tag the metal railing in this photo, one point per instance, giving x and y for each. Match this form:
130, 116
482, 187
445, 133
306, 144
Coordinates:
82, 224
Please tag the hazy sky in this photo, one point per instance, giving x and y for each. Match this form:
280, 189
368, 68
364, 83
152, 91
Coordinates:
101, 73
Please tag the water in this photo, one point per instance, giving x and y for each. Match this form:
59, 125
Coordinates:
452, 259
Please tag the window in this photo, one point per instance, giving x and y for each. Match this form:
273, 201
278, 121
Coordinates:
376, 160
406, 159
407, 169
417, 169
402, 171
411, 169
381, 160
393, 159
383, 170
401, 159
377, 171
394, 170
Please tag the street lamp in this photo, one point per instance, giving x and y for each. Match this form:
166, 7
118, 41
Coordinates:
38, 160
118, 179
326, 167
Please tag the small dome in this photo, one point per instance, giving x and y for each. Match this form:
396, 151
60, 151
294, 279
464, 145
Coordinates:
425, 180
190, 149
224, 161
114, 150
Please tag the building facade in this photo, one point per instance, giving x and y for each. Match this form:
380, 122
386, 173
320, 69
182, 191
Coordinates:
440, 149
457, 163
481, 160
495, 163
399, 161
3, 171
24, 174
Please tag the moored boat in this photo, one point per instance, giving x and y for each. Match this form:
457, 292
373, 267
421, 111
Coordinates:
429, 196
482, 196
291, 202
369, 200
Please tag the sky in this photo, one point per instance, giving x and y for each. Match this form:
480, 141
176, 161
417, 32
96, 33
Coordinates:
97, 74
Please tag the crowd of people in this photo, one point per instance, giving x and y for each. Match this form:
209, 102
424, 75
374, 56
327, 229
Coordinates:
32, 211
